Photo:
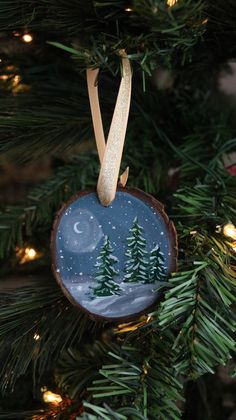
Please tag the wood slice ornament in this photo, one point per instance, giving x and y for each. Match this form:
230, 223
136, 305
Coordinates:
113, 248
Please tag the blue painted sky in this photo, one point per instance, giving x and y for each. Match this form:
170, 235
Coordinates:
84, 224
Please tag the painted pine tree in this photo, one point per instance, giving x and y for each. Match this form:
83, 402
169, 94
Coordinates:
156, 266
136, 267
105, 272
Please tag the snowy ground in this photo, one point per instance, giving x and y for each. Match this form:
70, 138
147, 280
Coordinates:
135, 298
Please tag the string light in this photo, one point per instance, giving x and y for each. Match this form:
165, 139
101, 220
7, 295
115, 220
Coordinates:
27, 254
51, 398
31, 253
14, 81
171, 2
145, 370
229, 230
27, 38
128, 9
36, 337
233, 245
218, 229
4, 77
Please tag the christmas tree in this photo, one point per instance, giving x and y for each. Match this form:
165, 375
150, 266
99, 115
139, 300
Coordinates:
156, 266
136, 265
106, 272
178, 362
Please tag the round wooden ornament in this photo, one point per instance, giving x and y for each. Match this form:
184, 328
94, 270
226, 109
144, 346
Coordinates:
113, 248
112, 261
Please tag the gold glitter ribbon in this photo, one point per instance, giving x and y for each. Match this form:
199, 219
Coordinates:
110, 153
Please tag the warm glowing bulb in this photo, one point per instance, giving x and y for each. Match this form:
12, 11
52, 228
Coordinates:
15, 80
171, 2
233, 245
50, 397
128, 9
4, 77
27, 38
36, 337
30, 252
229, 230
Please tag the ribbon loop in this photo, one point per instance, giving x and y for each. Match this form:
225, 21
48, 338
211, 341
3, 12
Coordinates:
110, 153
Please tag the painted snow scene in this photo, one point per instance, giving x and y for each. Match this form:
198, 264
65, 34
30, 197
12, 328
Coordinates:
112, 260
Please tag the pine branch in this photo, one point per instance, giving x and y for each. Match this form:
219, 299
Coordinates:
199, 306
77, 368
142, 382
107, 413
18, 222
151, 32
37, 324
51, 117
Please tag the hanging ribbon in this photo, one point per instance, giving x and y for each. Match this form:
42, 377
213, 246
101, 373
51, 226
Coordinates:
110, 153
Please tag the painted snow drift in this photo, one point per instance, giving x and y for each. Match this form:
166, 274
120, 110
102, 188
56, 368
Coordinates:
112, 260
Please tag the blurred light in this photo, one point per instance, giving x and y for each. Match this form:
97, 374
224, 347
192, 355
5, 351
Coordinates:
31, 253
27, 38
218, 228
145, 370
204, 22
15, 80
27, 254
50, 397
128, 9
229, 230
171, 2
36, 337
233, 245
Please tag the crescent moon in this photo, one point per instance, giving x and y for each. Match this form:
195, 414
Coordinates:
76, 229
